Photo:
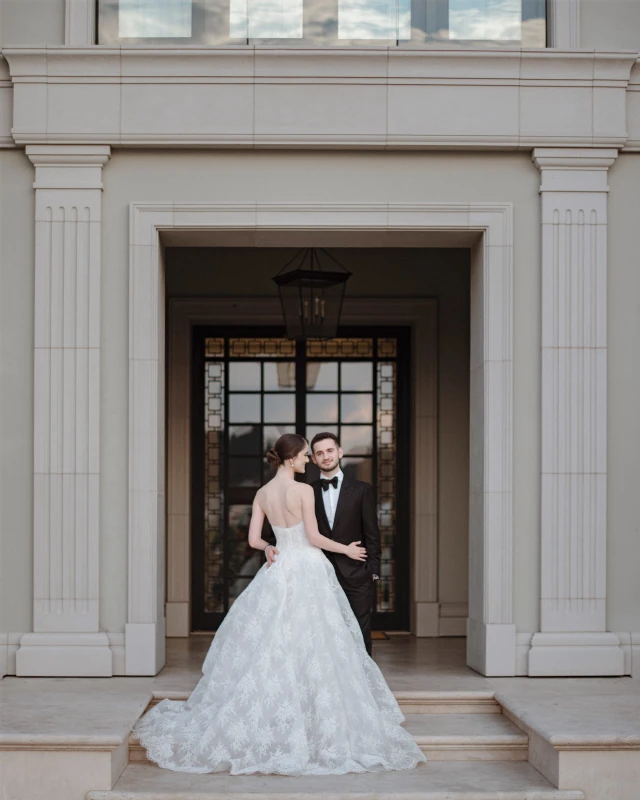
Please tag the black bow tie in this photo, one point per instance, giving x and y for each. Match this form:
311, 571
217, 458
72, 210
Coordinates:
326, 483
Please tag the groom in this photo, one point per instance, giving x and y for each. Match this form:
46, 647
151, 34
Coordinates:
346, 512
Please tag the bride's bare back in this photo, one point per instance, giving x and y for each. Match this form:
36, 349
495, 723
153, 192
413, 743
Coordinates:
286, 503
281, 501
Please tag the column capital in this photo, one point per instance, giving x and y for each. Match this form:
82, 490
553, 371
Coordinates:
574, 157
72, 154
575, 169
68, 166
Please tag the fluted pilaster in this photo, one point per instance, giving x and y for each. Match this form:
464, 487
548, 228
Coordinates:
573, 638
66, 638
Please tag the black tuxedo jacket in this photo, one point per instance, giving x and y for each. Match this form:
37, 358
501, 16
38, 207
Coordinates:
355, 520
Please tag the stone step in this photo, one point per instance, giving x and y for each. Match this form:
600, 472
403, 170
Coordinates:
451, 702
468, 737
445, 737
438, 780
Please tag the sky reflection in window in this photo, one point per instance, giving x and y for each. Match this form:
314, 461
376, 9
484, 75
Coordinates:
374, 19
485, 19
265, 19
154, 19
327, 22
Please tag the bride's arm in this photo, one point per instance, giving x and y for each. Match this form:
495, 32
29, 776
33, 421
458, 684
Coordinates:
314, 535
255, 527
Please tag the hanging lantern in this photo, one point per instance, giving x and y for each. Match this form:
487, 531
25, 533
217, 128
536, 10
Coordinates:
311, 293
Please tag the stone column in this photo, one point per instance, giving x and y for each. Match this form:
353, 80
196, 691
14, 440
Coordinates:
573, 638
66, 640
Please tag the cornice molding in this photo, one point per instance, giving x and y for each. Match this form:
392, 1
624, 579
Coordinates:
319, 98
103, 63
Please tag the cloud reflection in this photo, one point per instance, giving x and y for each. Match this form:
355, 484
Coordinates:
331, 22
154, 19
485, 19
374, 19
265, 19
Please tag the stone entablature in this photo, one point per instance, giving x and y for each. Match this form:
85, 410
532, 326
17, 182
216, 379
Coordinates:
314, 98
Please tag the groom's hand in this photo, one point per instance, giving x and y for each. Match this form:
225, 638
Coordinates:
272, 552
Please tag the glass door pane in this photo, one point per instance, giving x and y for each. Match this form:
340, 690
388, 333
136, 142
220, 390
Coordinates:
254, 389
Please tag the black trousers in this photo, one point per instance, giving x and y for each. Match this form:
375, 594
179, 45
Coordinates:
360, 597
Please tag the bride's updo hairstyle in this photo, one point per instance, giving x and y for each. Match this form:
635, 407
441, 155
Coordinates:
287, 447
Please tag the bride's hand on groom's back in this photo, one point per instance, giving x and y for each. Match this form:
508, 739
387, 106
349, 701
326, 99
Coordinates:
356, 552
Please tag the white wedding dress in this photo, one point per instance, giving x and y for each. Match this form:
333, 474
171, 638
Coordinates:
288, 687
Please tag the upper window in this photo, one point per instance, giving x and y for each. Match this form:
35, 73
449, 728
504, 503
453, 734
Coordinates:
481, 23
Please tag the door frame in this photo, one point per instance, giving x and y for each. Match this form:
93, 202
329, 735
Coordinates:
399, 619
487, 229
421, 317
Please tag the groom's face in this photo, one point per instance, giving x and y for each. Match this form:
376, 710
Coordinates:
327, 454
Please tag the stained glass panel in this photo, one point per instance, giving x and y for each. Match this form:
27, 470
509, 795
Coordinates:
213, 347
340, 348
213, 504
387, 348
262, 348
386, 480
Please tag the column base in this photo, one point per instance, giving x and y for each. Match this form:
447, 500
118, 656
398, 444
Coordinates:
575, 655
144, 647
491, 648
64, 655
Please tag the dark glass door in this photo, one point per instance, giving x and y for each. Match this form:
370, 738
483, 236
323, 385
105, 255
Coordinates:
252, 385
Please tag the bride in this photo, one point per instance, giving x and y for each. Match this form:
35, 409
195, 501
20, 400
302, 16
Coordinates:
287, 685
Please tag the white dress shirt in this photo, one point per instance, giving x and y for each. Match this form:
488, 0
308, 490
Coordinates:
330, 498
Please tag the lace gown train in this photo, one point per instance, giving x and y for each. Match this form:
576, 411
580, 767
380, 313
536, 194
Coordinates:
287, 685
